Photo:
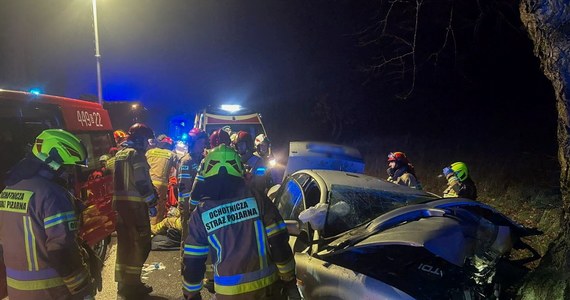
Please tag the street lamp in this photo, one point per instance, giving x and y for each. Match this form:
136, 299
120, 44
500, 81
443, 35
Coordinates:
97, 54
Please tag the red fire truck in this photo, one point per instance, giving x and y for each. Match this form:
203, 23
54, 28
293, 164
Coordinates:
24, 115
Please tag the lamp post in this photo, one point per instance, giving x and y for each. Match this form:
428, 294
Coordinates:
97, 54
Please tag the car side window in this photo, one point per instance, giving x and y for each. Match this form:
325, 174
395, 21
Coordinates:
312, 193
290, 200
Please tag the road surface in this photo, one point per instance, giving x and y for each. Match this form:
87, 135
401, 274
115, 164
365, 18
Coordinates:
165, 280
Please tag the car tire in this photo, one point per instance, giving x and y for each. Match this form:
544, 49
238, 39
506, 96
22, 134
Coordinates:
100, 248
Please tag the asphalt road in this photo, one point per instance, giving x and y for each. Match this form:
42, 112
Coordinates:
165, 280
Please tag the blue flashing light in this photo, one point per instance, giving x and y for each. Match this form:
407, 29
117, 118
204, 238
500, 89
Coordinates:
260, 171
184, 137
35, 91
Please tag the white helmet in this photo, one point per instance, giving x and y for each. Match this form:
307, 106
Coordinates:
260, 138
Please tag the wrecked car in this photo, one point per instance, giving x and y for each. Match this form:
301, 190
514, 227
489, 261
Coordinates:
359, 237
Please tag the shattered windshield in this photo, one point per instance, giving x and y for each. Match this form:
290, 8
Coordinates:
352, 206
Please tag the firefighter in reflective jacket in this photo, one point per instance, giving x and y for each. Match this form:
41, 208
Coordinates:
133, 196
162, 163
197, 140
244, 234
39, 221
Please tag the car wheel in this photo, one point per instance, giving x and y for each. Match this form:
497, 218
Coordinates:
100, 248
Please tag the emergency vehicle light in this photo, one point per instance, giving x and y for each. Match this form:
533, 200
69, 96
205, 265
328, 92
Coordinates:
35, 91
232, 108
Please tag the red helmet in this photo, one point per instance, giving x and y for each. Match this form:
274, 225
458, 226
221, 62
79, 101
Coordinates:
243, 136
164, 141
141, 130
219, 137
398, 157
195, 134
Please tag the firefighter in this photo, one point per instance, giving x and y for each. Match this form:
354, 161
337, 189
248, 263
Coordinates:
245, 236
162, 161
459, 183
219, 137
401, 171
187, 170
120, 136
39, 220
133, 196
260, 164
102, 170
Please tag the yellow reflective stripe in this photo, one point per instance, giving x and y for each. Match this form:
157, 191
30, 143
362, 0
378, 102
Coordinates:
30, 243
245, 287
128, 269
192, 287
275, 228
59, 218
261, 244
286, 267
159, 153
128, 198
158, 183
34, 250
138, 165
34, 285
74, 281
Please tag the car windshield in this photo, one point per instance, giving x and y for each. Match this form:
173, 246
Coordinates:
352, 206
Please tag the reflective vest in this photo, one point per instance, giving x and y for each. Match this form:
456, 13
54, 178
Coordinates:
131, 177
38, 221
248, 242
186, 173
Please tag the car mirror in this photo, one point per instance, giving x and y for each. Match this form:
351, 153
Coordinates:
293, 227
272, 191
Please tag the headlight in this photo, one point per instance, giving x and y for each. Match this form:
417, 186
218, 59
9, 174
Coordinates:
272, 163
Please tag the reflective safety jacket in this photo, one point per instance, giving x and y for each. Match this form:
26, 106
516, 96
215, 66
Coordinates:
186, 172
162, 162
248, 242
456, 188
131, 178
405, 178
38, 232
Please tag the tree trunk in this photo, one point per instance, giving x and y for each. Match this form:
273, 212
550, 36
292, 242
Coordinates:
548, 24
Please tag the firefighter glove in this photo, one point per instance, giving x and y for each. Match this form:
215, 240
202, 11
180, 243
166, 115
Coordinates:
447, 171
152, 211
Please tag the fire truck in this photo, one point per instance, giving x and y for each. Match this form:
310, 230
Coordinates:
24, 115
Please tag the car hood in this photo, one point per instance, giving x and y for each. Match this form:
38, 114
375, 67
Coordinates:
441, 236
430, 225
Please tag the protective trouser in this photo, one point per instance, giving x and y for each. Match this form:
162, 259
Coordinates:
133, 241
162, 190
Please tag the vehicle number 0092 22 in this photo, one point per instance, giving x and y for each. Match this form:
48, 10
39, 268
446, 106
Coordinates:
89, 119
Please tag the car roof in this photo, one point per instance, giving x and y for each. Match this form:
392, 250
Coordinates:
333, 177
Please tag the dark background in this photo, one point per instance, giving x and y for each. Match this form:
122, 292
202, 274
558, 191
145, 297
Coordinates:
306, 65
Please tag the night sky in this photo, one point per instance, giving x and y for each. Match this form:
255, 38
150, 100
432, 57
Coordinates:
287, 57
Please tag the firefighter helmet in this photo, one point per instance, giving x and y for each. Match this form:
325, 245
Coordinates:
119, 136
219, 137
57, 147
460, 170
399, 157
141, 130
219, 158
196, 133
245, 137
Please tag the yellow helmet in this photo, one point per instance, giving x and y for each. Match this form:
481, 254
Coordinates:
460, 170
